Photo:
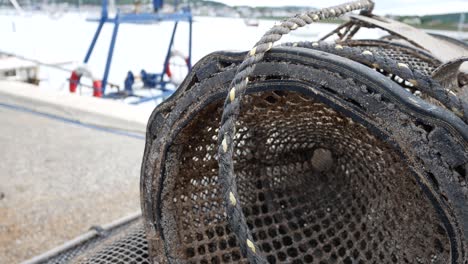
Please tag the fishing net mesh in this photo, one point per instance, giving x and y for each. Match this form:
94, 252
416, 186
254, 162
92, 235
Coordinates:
128, 245
315, 187
418, 61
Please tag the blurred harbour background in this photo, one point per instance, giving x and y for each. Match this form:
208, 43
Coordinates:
57, 32
58, 178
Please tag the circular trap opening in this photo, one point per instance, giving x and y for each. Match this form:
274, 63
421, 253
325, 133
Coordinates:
314, 185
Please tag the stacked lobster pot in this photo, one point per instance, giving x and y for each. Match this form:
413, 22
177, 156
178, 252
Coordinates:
337, 151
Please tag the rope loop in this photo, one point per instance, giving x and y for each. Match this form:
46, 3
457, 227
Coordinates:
232, 105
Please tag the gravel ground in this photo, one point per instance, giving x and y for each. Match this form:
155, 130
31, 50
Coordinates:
58, 179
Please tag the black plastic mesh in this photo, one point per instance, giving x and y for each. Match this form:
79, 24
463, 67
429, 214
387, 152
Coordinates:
69, 255
315, 187
127, 246
410, 56
410, 60
123, 244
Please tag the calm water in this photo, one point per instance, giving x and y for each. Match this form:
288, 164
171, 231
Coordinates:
66, 39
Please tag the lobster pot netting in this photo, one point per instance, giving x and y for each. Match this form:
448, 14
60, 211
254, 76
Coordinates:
124, 243
313, 152
128, 246
353, 151
415, 59
320, 161
314, 186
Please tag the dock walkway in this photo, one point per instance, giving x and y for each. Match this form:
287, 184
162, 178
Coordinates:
59, 177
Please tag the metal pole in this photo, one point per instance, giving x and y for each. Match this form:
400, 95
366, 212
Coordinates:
111, 51
189, 63
98, 31
461, 22
104, 10
93, 42
17, 6
168, 55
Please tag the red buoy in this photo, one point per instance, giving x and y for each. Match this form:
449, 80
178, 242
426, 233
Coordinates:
74, 81
168, 70
97, 88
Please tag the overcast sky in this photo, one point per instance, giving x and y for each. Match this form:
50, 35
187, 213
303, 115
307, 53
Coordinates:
403, 7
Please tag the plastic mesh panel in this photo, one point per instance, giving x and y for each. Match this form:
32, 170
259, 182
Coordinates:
315, 187
127, 246
69, 255
411, 60
406, 55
